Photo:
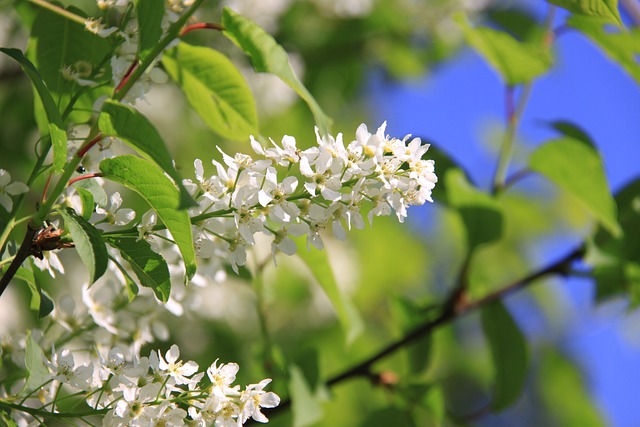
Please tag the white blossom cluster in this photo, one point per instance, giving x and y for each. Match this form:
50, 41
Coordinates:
145, 391
290, 192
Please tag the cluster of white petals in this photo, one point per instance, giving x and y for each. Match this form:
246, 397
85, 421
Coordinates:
288, 192
160, 389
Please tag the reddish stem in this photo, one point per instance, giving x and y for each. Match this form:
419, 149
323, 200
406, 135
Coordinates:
201, 26
510, 108
46, 188
83, 150
81, 177
124, 80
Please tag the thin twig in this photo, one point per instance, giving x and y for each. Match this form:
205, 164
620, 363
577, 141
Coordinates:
453, 309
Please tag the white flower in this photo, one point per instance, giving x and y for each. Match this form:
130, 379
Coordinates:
222, 376
288, 154
96, 27
113, 214
178, 370
49, 262
63, 369
254, 398
8, 188
275, 193
132, 406
145, 229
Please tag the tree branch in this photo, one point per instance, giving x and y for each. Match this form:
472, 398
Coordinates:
454, 308
23, 253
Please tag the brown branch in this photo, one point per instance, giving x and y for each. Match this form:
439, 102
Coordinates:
23, 253
454, 308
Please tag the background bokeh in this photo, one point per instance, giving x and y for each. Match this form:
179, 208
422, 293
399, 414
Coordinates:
405, 63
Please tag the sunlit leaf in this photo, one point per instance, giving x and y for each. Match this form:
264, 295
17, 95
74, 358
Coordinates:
6, 419
305, 406
88, 242
96, 190
509, 353
620, 44
150, 268
150, 14
56, 43
615, 260
577, 168
37, 372
86, 199
517, 62
131, 126
267, 56
559, 380
150, 182
215, 89
602, 8
56, 133
480, 213
319, 266
443, 163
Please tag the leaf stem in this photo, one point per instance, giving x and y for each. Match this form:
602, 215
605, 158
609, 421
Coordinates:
43, 413
513, 114
201, 26
141, 66
60, 11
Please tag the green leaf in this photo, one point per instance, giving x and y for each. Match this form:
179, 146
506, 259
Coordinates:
37, 372
577, 168
572, 131
509, 353
96, 190
601, 8
620, 44
7, 419
480, 213
388, 417
408, 315
443, 163
516, 62
135, 129
56, 133
89, 243
149, 181
563, 394
86, 199
150, 267
309, 364
305, 406
40, 301
615, 259
318, 264
215, 89
56, 43
267, 56
150, 14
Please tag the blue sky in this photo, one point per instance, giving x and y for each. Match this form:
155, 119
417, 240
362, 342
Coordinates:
452, 107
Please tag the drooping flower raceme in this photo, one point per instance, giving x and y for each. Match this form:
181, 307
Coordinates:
144, 391
290, 192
